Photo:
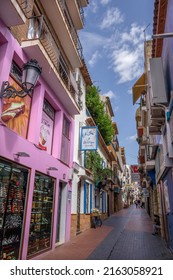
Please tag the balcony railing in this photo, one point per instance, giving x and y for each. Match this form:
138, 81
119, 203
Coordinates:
71, 27
26, 6
38, 29
81, 10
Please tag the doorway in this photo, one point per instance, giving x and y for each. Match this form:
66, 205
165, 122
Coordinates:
13, 188
62, 212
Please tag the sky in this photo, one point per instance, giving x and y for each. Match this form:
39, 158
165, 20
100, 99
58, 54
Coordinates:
113, 47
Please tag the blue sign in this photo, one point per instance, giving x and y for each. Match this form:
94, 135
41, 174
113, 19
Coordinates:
89, 138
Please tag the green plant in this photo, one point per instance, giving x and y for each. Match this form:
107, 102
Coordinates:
140, 169
97, 111
94, 162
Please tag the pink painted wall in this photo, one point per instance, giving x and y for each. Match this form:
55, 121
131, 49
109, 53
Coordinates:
11, 143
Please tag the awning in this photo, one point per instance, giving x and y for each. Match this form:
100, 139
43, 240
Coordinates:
138, 88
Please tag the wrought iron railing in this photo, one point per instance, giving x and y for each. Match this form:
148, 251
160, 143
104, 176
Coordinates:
81, 10
26, 6
38, 29
71, 27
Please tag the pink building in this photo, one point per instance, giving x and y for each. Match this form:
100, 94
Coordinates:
36, 131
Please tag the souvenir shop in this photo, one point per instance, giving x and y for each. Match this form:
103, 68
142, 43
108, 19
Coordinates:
14, 184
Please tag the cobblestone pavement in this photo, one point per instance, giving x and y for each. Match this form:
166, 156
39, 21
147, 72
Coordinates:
126, 235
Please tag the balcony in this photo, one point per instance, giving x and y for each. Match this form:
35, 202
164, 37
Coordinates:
157, 114
14, 12
62, 23
39, 43
115, 142
141, 159
150, 164
76, 12
117, 182
140, 131
112, 151
84, 3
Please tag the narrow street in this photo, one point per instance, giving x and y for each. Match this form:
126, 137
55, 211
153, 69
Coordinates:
126, 235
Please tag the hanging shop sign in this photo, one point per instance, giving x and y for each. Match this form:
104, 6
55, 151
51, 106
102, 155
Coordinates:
135, 176
89, 138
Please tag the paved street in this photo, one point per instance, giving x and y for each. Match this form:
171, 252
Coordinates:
126, 235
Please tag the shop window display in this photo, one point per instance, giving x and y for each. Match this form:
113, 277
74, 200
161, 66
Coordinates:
41, 215
13, 183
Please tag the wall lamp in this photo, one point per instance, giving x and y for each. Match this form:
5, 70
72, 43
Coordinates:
162, 36
30, 75
22, 154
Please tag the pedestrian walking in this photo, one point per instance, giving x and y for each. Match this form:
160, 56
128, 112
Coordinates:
139, 203
136, 203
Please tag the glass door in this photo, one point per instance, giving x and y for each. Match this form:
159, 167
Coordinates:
41, 216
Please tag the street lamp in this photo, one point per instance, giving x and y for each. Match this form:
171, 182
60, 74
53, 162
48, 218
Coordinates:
30, 76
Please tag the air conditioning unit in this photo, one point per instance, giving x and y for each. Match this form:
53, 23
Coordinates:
76, 167
158, 84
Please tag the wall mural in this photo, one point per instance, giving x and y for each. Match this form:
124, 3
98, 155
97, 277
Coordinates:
16, 111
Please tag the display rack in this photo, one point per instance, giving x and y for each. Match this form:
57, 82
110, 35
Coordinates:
12, 200
41, 215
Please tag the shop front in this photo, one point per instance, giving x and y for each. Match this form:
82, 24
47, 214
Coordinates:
13, 192
36, 133
14, 182
29, 220
40, 234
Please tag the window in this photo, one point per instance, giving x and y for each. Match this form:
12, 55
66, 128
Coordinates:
65, 147
16, 111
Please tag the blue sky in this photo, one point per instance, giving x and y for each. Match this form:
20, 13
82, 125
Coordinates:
113, 46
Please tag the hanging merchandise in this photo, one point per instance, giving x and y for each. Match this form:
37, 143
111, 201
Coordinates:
13, 182
41, 215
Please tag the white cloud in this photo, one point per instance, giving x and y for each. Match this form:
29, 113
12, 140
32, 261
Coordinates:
113, 16
135, 36
129, 91
115, 108
127, 54
127, 63
123, 50
105, 2
94, 58
93, 41
110, 94
93, 6
132, 138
